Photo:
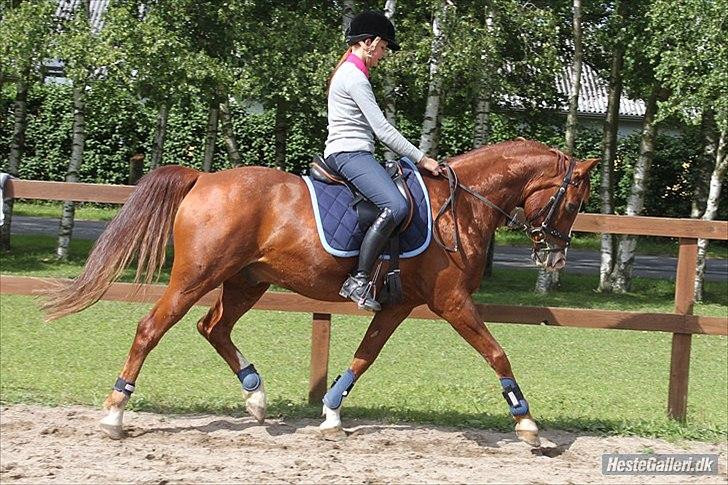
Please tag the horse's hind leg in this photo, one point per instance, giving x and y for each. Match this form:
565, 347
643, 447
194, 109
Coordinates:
236, 298
462, 314
168, 310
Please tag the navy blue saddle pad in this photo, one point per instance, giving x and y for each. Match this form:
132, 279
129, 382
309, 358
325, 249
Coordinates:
338, 224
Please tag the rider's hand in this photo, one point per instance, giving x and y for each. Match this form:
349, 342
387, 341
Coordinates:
430, 164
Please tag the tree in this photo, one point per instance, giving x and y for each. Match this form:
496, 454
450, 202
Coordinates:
639, 75
308, 33
77, 47
27, 33
500, 55
693, 64
167, 52
231, 143
547, 280
711, 207
390, 8
576, 67
615, 39
213, 116
430, 124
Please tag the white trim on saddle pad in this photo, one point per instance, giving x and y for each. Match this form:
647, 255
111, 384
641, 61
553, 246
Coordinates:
348, 254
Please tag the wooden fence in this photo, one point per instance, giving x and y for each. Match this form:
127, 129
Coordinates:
682, 323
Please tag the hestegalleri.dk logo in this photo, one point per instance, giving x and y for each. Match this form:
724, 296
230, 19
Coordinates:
659, 464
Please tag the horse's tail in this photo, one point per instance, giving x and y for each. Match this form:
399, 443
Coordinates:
140, 229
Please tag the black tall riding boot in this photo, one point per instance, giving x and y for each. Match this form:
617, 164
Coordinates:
357, 286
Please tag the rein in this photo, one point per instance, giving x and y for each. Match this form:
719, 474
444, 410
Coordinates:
515, 220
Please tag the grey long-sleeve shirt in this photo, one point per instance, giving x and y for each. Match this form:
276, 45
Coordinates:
355, 117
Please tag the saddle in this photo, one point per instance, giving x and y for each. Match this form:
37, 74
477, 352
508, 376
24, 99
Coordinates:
365, 209
367, 212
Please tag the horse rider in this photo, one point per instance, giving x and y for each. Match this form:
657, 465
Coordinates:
354, 118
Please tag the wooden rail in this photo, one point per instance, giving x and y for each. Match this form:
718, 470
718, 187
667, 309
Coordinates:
682, 323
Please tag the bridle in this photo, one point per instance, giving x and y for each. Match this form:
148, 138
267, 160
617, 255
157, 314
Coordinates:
515, 220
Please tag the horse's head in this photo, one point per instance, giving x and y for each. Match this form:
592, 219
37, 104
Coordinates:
550, 209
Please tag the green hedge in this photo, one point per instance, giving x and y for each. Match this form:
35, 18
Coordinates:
118, 124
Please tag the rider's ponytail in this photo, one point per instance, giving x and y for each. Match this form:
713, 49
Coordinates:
341, 61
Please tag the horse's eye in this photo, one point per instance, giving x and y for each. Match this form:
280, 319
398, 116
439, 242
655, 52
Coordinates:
571, 208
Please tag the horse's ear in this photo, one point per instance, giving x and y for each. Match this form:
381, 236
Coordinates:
582, 168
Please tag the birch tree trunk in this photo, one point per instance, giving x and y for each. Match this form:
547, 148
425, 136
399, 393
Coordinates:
430, 126
160, 132
210, 134
347, 14
716, 182
281, 134
571, 119
624, 264
79, 140
231, 143
609, 153
481, 125
709, 134
17, 147
548, 280
481, 135
390, 8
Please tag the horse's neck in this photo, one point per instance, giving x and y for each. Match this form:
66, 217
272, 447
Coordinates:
502, 180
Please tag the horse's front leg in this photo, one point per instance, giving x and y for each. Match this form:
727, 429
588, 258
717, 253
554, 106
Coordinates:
462, 314
380, 329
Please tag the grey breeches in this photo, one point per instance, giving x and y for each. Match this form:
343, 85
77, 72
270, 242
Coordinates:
370, 178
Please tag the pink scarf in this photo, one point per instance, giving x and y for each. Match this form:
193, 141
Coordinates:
358, 63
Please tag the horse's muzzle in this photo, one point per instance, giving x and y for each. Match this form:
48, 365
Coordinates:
550, 259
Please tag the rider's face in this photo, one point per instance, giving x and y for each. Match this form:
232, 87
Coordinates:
378, 52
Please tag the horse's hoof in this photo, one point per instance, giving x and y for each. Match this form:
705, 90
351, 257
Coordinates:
529, 437
335, 433
114, 432
527, 431
256, 403
257, 412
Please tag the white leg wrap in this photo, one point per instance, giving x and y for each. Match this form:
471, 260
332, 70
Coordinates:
333, 418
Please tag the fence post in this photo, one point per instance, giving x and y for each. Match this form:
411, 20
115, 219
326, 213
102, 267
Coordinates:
320, 339
677, 399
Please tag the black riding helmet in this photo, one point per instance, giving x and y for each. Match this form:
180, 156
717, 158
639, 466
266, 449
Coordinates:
367, 25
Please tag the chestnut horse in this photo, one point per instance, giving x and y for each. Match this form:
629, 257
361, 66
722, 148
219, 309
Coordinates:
248, 228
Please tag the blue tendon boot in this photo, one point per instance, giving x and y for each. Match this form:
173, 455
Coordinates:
253, 391
526, 428
341, 387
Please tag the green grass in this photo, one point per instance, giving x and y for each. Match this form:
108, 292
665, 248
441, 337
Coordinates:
88, 211
590, 381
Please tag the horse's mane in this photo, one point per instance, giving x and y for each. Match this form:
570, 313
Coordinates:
515, 149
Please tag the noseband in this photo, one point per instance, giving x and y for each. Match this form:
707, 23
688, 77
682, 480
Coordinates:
538, 233
515, 220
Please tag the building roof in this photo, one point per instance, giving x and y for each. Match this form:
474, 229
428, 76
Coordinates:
593, 95
66, 8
